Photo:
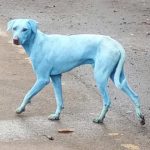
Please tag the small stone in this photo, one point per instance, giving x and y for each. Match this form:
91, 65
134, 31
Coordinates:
115, 11
131, 63
148, 33
49, 137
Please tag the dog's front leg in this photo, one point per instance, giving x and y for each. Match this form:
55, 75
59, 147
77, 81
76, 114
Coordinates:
56, 80
38, 86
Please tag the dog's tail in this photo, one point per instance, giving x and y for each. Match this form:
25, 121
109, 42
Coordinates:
119, 68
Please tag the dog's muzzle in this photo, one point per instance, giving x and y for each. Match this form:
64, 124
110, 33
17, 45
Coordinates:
16, 41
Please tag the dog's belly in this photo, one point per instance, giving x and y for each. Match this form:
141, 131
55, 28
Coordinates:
65, 67
67, 61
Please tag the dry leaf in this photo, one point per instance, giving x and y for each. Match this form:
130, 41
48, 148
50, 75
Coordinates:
65, 130
130, 146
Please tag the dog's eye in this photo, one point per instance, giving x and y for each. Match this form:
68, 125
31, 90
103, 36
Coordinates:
24, 29
14, 28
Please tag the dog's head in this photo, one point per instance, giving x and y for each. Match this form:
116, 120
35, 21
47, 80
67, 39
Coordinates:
22, 30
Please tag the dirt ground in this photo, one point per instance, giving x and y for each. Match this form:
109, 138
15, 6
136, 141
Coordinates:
126, 21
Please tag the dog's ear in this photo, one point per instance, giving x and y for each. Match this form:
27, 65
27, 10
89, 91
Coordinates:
34, 25
10, 24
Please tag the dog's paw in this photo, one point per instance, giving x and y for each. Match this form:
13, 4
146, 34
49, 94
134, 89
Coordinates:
142, 120
19, 110
97, 120
53, 117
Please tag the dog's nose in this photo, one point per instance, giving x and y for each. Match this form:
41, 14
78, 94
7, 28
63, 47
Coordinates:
16, 40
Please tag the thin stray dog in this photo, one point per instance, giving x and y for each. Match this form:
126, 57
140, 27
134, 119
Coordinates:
52, 55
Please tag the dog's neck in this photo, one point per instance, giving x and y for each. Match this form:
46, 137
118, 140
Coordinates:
29, 44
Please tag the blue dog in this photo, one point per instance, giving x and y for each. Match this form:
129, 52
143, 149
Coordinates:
52, 55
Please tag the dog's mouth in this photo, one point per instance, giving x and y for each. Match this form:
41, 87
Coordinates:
16, 41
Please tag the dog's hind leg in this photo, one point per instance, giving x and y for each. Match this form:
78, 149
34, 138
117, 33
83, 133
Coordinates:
56, 80
101, 76
102, 86
38, 86
133, 96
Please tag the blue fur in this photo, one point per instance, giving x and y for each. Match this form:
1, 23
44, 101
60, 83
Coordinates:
52, 55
